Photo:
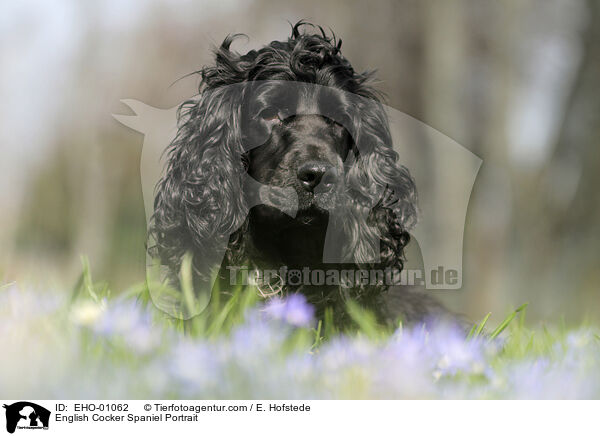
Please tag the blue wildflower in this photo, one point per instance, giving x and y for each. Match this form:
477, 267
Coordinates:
293, 310
130, 322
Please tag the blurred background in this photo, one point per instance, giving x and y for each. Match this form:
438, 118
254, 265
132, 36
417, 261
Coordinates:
515, 82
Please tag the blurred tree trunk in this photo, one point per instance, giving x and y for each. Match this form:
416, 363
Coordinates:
571, 181
466, 93
577, 147
494, 213
442, 92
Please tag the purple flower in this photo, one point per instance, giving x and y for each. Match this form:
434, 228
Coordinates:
130, 322
194, 366
455, 354
293, 310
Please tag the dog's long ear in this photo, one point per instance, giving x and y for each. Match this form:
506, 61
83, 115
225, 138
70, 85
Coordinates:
199, 202
384, 193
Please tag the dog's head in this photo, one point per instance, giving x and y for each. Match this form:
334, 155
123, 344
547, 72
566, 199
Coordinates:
295, 141
292, 115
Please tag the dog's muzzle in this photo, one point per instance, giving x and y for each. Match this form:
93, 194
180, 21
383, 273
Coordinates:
317, 176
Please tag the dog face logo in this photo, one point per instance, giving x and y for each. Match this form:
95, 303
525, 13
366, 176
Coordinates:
26, 415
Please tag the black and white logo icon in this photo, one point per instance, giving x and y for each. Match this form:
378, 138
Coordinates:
26, 415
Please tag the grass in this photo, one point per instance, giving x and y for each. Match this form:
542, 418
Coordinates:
94, 344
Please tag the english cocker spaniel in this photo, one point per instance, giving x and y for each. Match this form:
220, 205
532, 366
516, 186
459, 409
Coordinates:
285, 161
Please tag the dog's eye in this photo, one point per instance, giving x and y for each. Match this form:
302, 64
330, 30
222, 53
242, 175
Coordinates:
270, 114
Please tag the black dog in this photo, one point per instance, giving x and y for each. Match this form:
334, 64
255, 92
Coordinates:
294, 116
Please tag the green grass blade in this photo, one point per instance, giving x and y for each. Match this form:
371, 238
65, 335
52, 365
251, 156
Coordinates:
472, 331
88, 283
364, 319
523, 315
329, 329
6, 285
216, 326
507, 321
187, 284
318, 338
482, 325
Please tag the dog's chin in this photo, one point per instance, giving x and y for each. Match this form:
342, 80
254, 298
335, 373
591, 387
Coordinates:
311, 215
271, 219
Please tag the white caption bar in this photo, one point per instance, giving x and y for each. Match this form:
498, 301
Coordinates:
297, 417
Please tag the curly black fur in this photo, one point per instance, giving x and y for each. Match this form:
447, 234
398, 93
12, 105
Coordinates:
230, 132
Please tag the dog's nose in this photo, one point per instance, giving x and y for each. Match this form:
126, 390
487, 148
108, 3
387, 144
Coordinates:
314, 173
